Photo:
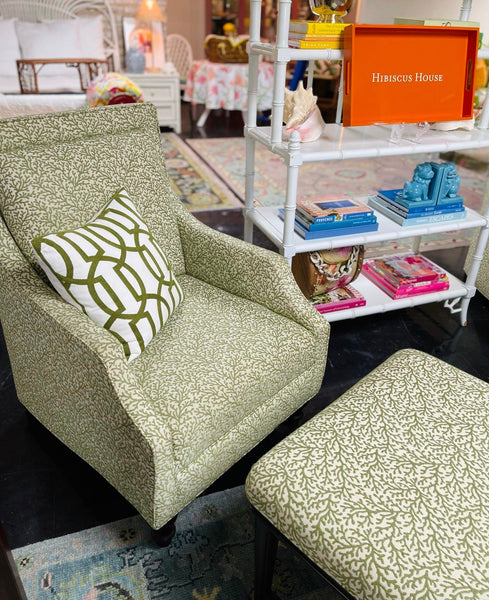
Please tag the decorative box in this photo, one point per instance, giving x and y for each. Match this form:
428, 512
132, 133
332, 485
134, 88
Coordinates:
408, 74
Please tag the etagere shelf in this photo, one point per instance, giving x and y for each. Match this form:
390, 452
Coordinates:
343, 143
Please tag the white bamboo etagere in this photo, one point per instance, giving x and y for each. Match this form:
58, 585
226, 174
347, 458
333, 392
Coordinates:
338, 142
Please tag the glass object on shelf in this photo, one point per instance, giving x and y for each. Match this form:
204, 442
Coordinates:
330, 11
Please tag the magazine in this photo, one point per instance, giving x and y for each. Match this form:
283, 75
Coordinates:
338, 299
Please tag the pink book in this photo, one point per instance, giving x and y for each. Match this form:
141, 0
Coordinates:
339, 299
414, 290
405, 269
405, 287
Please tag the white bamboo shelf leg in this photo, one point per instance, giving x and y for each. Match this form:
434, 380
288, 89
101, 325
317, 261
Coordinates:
291, 195
249, 189
280, 71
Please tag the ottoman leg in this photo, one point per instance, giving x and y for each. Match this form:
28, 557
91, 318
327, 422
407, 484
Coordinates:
265, 553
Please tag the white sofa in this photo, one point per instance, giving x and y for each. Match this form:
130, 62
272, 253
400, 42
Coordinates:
52, 29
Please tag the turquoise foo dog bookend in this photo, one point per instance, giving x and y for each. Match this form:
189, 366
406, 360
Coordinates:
432, 184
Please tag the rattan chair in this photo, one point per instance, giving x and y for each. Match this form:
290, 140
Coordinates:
180, 54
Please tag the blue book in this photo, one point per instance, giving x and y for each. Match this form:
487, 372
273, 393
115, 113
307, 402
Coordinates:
330, 224
427, 220
396, 196
326, 209
423, 212
324, 233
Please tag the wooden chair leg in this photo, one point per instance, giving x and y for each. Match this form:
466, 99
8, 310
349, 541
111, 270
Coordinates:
265, 553
164, 535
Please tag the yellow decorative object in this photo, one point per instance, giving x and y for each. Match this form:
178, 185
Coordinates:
481, 74
224, 49
229, 29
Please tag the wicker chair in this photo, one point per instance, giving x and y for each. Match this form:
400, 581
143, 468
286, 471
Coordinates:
180, 54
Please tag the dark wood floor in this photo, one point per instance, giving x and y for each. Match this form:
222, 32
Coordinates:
47, 491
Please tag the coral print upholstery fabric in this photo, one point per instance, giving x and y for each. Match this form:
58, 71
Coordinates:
387, 489
242, 351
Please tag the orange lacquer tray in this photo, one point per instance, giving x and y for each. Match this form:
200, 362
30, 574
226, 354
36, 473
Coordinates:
405, 74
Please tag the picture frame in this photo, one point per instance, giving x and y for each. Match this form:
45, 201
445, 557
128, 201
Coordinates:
149, 39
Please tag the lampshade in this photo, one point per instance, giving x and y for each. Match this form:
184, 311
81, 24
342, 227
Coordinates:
149, 11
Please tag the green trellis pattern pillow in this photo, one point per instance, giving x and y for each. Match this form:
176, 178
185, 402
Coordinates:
113, 269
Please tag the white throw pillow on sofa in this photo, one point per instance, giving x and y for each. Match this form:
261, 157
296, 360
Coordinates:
91, 36
53, 39
9, 53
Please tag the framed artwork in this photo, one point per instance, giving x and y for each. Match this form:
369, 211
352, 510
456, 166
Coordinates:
149, 38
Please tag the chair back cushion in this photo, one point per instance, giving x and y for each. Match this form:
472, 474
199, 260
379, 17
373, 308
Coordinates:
58, 170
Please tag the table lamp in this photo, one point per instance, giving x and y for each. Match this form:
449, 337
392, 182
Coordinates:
148, 12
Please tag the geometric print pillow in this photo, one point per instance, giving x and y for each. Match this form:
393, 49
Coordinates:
114, 271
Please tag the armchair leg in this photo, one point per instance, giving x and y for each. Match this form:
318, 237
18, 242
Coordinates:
164, 535
265, 553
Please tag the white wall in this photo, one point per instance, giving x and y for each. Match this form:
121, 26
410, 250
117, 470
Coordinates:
383, 11
187, 17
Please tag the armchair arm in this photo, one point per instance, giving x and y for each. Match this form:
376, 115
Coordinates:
245, 270
72, 375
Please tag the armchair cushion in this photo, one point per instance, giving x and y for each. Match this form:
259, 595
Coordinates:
113, 269
225, 358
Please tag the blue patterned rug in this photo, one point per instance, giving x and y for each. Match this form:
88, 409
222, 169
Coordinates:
210, 558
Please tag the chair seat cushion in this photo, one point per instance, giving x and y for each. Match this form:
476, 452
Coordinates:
220, 359
387, 489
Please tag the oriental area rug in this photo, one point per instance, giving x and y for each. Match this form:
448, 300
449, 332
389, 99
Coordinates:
210, 558
192, 180
358, 177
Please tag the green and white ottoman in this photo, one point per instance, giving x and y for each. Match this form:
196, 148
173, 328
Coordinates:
386, 491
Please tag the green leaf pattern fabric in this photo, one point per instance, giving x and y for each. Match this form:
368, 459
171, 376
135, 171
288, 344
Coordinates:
387, 489
113, 270
243, 350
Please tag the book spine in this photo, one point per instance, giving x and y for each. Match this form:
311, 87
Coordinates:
400, 283
396, 293
424, 211
330, 224
314, 235
309, 37
302, 44
452, 216
403, 222
310, 219
421, 268
335, 218
438, 286
316, 28
334, 306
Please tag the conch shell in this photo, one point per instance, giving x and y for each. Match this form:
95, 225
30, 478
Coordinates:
302, 114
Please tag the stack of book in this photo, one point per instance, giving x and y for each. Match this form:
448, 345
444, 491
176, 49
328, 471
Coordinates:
328, 216
338, 299
311, 34
391, 204
437, 22
405, 275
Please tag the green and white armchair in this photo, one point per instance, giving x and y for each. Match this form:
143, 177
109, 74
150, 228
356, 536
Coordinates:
234, 348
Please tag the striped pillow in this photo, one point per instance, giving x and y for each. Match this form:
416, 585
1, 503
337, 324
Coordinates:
114, 271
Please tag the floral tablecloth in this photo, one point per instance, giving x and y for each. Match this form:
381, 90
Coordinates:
225, 85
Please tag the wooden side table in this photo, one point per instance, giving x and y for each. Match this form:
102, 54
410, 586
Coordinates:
28, 69
162, 90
